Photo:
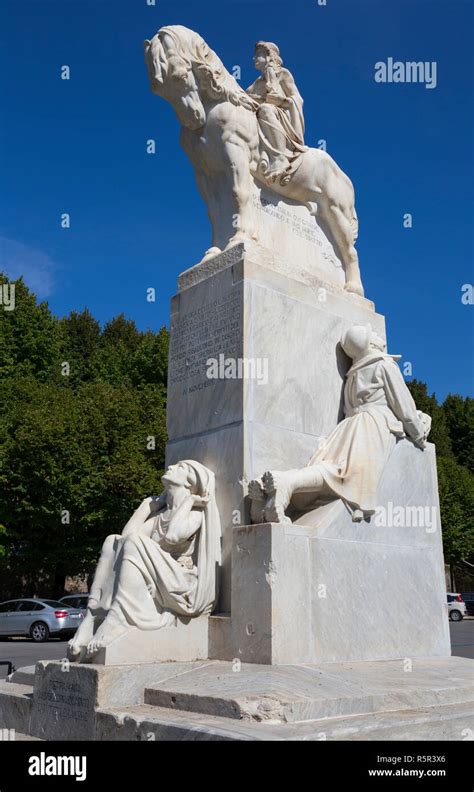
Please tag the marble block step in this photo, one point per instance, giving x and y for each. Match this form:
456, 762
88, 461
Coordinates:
148, 723
299, 693
23, 676
15, 706
183, 641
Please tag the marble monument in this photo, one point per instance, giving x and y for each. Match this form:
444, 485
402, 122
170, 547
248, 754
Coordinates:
269, 592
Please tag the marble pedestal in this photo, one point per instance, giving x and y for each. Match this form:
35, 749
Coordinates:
432, 699
185, 640
327, 590
248, 304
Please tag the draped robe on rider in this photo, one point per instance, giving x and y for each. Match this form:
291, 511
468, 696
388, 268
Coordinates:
289, 120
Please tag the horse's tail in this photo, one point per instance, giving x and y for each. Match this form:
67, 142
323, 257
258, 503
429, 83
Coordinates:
355, 224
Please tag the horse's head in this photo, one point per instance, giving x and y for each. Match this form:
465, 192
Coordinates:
172, 77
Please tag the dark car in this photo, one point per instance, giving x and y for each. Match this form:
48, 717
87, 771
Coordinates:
468, 598
76, 601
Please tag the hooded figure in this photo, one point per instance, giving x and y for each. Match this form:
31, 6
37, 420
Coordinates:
379, 410
165, 564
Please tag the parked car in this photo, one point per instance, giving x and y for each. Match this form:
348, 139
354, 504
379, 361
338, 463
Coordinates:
39, 618
76, 601
468, 598
456, 607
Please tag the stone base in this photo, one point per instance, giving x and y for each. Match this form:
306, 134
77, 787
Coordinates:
432, 699
290, 239
186, 639
325, 589
245, 306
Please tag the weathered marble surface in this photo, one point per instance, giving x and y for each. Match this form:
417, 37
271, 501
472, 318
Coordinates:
66, 697
444, 723
227, 701
337, 591
288, 693
240, 427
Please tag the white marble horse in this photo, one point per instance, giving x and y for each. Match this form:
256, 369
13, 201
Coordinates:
220, 134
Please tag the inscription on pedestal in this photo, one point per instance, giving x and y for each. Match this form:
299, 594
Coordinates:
63, 706
65, 698
201, 334
298, 222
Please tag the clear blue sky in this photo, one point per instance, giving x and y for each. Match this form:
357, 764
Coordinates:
78, 146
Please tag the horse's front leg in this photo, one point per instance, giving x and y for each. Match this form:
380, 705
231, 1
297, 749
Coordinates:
241, 190
219, 236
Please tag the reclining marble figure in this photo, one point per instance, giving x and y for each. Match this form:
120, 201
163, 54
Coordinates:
379, 410
163, 565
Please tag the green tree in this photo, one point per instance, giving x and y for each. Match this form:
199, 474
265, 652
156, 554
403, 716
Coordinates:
459, 414
3, 545
452, 433
428, 404
30, 337
456, 492
80, 343
77, 452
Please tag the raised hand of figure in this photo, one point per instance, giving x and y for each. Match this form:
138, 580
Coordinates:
276, 99
421, 442
201, 501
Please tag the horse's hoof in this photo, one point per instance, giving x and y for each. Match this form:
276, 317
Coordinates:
213, 251
238, 239
355, 288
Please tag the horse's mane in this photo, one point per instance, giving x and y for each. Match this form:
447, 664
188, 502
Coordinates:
213, 77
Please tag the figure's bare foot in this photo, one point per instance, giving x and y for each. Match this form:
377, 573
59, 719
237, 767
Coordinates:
257, 498
82, 636
278, 497
110, 629
239, 237
276, 171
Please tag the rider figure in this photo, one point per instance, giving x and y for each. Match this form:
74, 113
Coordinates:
280, 114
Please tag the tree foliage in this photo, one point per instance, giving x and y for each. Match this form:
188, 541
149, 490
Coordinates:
453, 434
80, 446
456, 494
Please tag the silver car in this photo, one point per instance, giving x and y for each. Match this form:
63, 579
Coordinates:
40, 619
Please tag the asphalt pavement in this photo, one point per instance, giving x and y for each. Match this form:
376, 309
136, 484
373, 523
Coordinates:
24, 652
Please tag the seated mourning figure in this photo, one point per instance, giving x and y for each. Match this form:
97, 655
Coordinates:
163, 565
379, 411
